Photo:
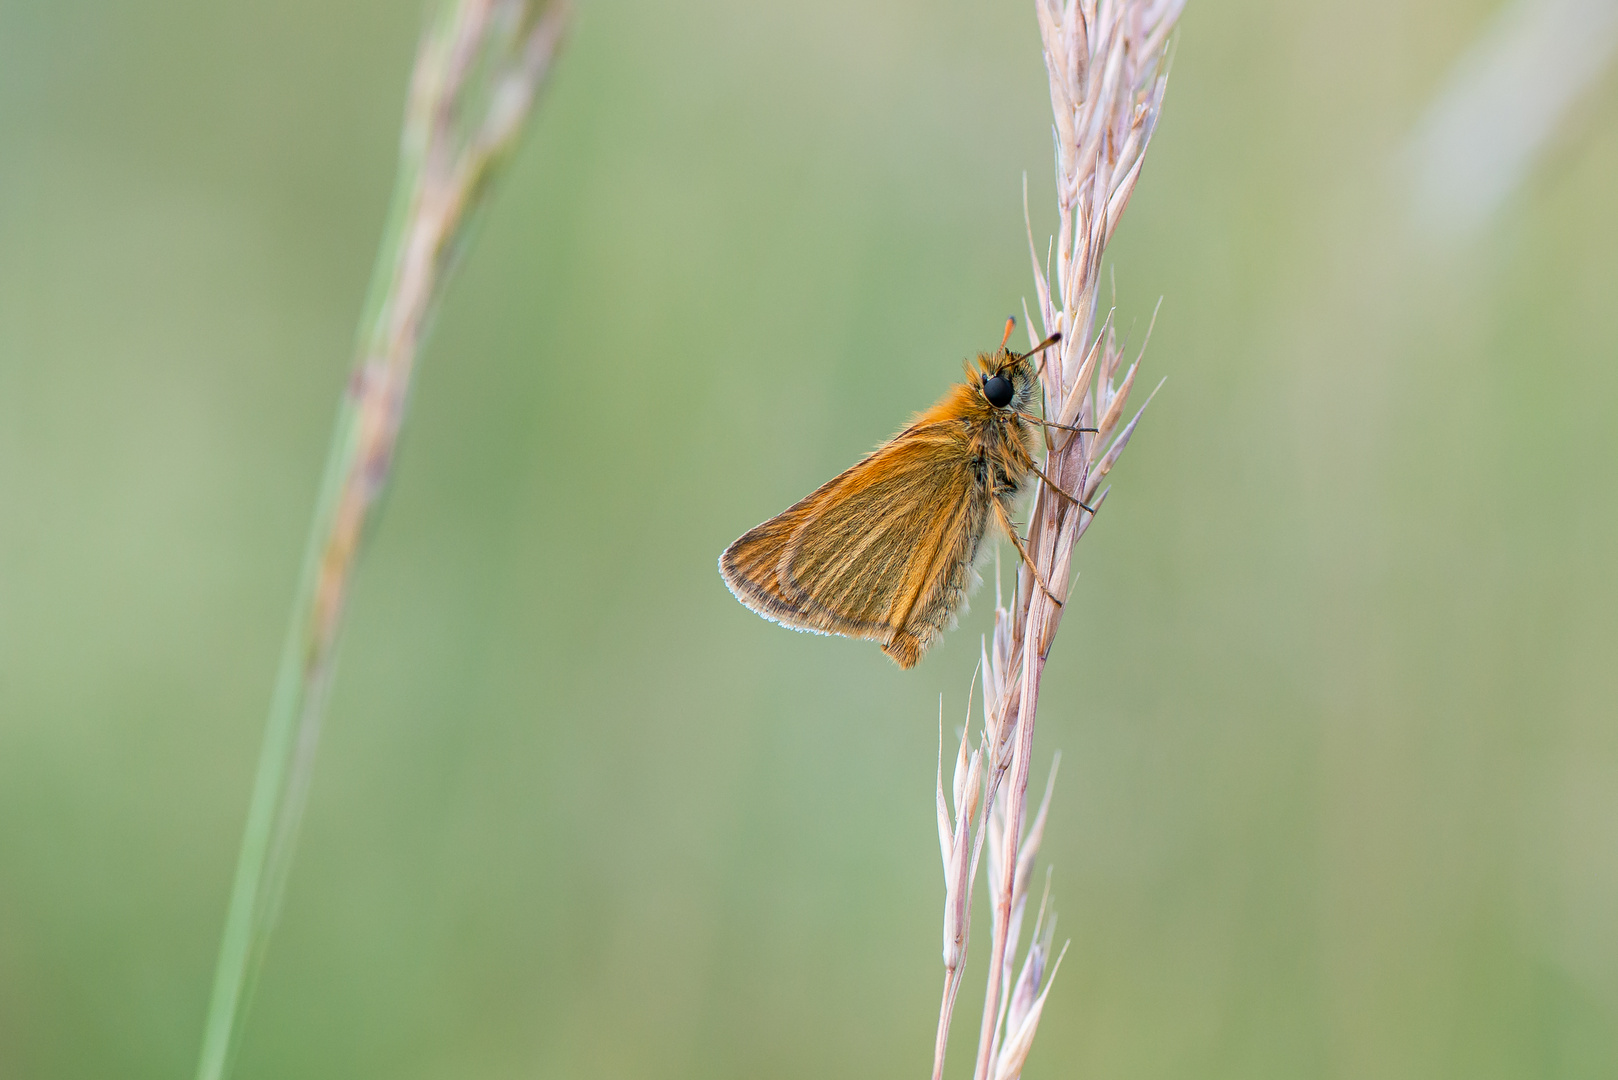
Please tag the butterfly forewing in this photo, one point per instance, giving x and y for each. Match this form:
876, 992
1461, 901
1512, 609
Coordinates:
882, 551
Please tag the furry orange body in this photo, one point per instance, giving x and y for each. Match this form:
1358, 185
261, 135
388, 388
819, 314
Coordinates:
884, 551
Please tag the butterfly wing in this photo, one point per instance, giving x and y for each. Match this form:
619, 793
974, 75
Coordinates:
883, 551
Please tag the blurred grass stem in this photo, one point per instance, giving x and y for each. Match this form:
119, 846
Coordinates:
477, 70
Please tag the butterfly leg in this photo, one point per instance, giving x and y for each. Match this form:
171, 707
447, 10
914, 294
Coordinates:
1032, 419
1054, 486
1011, 531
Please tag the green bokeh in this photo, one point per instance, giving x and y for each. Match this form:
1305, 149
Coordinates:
1336, 700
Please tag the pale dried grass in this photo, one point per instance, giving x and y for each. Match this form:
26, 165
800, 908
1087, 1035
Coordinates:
1107, 62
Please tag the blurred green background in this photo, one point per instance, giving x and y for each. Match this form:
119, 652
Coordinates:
1339, 793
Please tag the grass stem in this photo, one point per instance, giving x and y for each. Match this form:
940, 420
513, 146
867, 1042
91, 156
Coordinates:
478, 68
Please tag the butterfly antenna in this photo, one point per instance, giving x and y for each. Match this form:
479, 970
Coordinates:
1011, 324
1041, 347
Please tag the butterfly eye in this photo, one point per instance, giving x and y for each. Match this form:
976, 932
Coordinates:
998, 391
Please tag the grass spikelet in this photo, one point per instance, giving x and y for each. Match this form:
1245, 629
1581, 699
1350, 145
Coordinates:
1108, 70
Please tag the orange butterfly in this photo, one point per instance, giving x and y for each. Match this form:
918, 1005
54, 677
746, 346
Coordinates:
884, 551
